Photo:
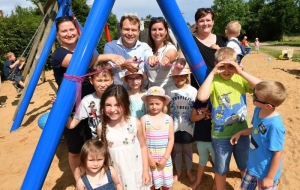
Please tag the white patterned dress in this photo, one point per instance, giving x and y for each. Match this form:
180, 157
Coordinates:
125, 152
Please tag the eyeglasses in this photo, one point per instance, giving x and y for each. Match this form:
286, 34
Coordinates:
207, 10
63, 18
157, 18
131, 79
255, 99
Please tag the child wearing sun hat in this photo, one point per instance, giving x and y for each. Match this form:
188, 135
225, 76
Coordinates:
159, 133
134, 81
182, 96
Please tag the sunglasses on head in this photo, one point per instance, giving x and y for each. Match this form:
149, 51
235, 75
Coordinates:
207, 10
63, 18
255, 99
157, 18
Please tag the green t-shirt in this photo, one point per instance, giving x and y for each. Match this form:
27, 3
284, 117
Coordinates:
229, 110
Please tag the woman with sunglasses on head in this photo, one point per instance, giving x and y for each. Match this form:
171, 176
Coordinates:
206, 41
67, 36
165, 53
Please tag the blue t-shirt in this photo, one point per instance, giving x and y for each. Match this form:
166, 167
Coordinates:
6, 68
267, 136
141, 50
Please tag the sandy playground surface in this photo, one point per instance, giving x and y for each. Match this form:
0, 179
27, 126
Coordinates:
18, 147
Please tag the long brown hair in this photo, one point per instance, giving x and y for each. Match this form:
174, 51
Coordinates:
95, 147
122, 97
167, 39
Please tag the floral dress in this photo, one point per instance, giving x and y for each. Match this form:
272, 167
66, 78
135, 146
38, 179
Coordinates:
125, 152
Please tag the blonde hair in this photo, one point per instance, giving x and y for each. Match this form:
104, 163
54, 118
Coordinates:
234, 28
22, 59
8, 55
225, 53
165, 108
273, 91
104, 66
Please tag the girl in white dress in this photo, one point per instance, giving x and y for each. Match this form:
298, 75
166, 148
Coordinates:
125, 139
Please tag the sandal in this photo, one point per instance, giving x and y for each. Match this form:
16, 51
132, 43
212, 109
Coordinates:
2, 105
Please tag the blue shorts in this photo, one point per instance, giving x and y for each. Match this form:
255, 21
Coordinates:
250, 182
223, 151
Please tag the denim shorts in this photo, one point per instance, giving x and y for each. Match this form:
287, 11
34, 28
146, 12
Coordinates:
223, 151
250, 182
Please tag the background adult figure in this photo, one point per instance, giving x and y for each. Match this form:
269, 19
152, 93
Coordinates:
206, 41
67, 37
158, 70
246, 45
130, 48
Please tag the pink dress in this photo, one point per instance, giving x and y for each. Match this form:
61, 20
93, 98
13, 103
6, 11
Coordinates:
157, 142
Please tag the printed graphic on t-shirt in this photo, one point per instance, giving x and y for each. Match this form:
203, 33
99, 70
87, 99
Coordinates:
184, 105
227, 114
93, 119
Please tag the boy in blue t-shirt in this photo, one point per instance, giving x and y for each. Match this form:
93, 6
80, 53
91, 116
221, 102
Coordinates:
267, 138
226, 87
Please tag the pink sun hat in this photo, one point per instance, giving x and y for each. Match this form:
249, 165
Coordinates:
185, 71
156, 91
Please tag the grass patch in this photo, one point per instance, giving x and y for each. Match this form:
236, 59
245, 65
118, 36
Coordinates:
275, 53
286, 43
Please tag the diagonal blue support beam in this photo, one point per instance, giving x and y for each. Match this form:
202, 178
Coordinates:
57, 119
183, 35
38, 70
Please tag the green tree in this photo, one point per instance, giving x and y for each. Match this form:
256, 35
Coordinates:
277, 17
17, 30
229, 10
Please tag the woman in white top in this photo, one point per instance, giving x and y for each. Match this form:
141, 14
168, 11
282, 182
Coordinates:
159, 65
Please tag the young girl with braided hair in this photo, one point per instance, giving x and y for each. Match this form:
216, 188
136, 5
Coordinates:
124, 138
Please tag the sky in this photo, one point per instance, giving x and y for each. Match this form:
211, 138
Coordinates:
141, 7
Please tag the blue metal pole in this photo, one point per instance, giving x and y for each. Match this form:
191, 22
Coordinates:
183, 35
38, 70
58, 116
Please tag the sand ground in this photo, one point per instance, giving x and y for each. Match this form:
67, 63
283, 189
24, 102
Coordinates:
18, 147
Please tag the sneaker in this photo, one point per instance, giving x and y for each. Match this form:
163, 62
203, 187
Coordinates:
19, 90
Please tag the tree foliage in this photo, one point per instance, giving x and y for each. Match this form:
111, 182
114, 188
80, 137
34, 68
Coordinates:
17, 30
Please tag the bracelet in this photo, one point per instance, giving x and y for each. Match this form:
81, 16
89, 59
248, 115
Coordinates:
165, 158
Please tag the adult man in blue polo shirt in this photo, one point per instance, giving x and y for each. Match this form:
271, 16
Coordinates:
129, 47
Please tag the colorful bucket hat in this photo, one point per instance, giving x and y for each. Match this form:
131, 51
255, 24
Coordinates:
156, 91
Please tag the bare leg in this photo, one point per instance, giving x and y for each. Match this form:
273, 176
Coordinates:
74, 162
21, 84
190, 175
200, 173
242, 174
220, 181
177, 175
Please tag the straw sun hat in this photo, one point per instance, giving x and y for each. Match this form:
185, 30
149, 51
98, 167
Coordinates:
157, 91
139, 72
185, 71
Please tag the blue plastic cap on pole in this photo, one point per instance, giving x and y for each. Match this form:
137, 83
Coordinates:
183, 35
55, 125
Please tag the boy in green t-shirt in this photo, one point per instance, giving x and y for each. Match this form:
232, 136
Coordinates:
226, 87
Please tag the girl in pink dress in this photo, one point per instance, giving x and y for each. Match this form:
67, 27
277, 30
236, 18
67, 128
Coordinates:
159, 134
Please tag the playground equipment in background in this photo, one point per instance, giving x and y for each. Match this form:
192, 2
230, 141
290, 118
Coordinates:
53, 130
